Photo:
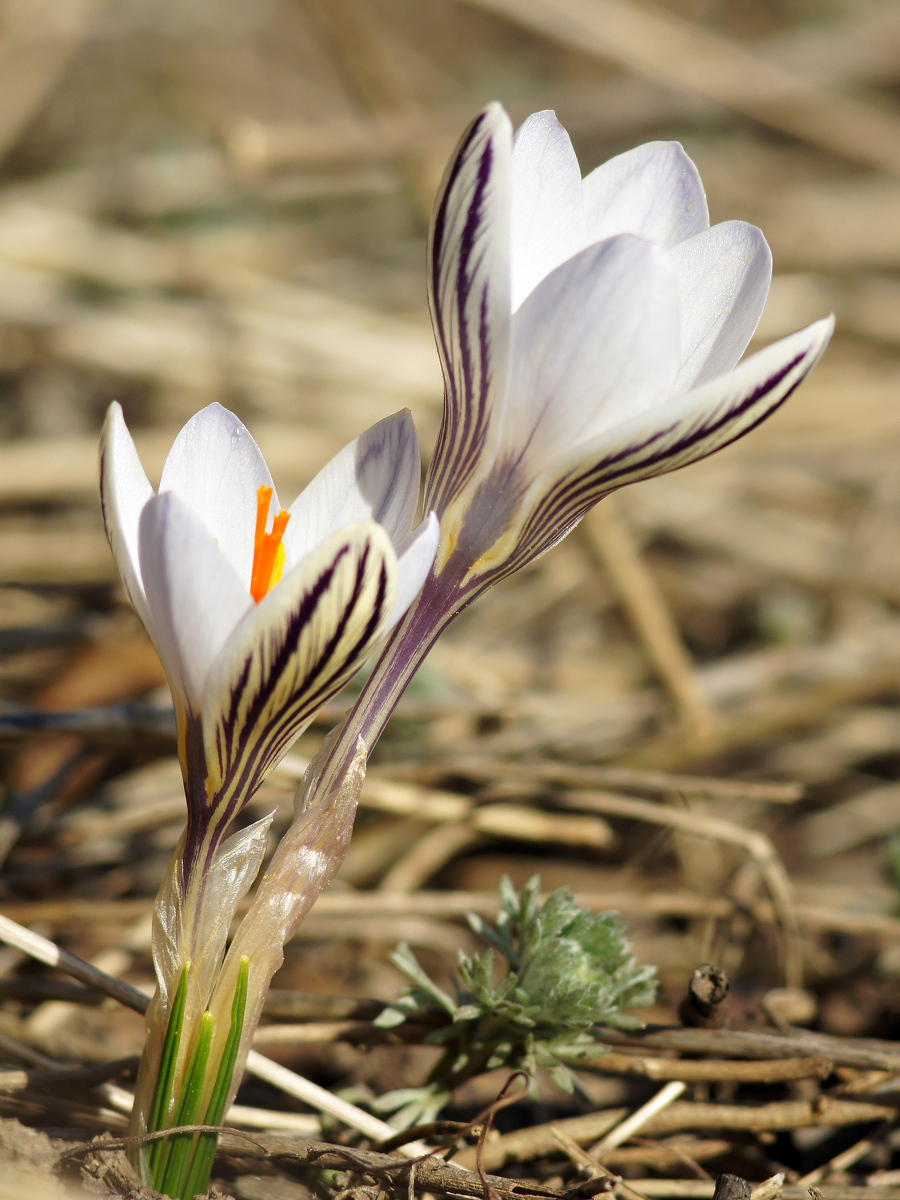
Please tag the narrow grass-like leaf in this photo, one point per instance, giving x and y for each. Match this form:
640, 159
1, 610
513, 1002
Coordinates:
163, 1094
179, 1149
198, 1178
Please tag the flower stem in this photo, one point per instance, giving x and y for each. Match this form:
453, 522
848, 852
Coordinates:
441, 600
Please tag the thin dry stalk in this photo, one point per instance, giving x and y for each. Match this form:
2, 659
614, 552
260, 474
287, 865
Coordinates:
611, 541
426, 856
769, 1187
865, 1054
664, 1156
449, 905
631, 1125
756, 844
318, 1033
712, 1070
591, 1169
53, 1078
537, 1142
576, 1155
579, 775
846, 1158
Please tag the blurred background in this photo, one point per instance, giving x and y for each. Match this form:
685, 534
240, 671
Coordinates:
214, 200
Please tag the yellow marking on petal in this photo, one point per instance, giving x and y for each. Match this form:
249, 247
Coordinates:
268, 549
447, 544
280, 560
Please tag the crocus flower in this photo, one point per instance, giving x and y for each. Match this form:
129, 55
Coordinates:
260, 614
590, 333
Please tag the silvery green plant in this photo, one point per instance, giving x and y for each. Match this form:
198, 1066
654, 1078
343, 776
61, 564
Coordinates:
566, 972
589, 333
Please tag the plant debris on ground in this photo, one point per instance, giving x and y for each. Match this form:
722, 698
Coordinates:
687, 714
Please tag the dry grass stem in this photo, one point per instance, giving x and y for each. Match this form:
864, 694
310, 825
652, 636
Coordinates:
666, 49
691, 1070
638, 1120
757, 845
612, 542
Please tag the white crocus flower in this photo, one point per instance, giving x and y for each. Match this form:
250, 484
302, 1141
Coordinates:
260, 615
590, 332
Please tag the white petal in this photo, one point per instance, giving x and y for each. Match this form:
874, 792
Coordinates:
216, 469
653, 191
377, 477
653, 443
414, 565
723, 275
680, 432
124, 490
596, 342
294, 651
468, 289
548, 223
194, 596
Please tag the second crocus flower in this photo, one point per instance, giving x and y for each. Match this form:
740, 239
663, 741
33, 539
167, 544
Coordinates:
589, 331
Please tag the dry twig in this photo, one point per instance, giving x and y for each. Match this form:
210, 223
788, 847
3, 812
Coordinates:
610, 539
756, 844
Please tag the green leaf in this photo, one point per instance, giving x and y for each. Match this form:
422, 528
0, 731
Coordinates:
563, 1078
176, 1159
405, 961
204, 1153
468, 1012
162, 1096
396, 1013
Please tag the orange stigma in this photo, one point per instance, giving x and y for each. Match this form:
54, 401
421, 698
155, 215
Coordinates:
268, 550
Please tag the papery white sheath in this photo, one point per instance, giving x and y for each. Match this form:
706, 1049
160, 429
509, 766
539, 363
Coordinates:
589, 331
259, 619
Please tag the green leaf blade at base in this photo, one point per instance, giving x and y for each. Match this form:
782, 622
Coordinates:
198, 1177
162, 1096
178, 1155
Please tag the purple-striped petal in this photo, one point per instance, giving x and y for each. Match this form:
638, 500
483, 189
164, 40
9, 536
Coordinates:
469, 293
290, 654
678, 433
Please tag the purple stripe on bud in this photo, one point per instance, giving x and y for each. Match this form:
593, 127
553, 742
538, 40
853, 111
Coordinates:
460, 297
